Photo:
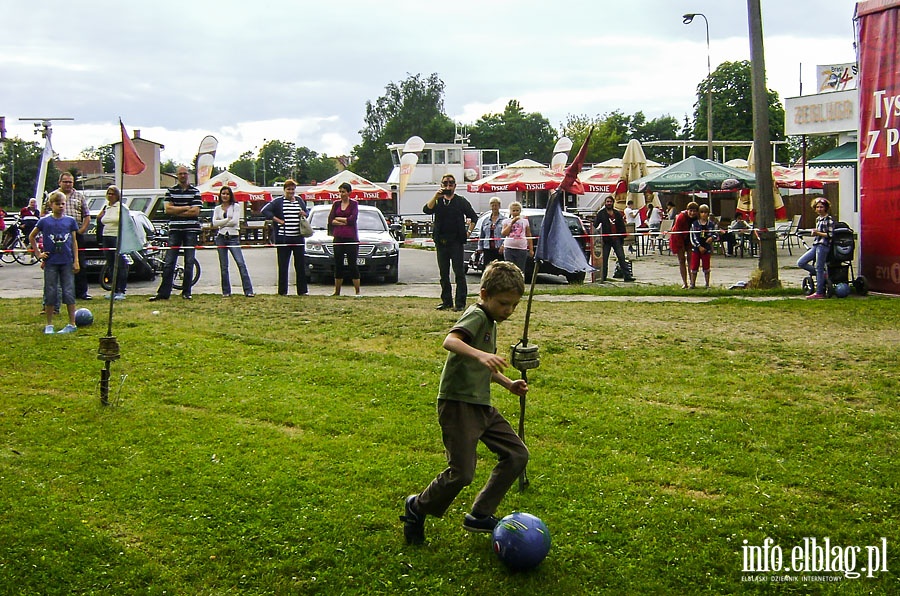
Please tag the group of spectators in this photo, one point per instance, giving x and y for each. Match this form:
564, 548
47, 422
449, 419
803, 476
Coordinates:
57, 231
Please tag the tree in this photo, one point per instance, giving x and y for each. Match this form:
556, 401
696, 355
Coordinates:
276, 159
815, 145
168, 167
664, 128
515, 134
105, 153
614, 129
19, 162
244, 166
732, 106
320, 167
414, 107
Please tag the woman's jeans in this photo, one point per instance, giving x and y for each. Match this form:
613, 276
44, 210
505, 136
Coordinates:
109, 245
819, 254
232, 244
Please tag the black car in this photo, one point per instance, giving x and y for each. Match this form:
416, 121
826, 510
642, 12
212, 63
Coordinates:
379, 251
535, 219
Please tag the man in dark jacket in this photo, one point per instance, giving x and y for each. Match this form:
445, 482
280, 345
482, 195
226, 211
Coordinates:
450, 233
611, 225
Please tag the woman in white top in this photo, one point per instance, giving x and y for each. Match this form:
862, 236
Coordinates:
227, 218
109, 221
518, 244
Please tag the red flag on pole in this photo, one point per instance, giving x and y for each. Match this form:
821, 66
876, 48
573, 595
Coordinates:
131, 161
571, 183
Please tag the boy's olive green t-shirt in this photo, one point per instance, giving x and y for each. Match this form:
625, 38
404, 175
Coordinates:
466, 379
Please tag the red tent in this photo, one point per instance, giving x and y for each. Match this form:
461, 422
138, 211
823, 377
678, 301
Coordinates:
242, 189
362, 189
523, 175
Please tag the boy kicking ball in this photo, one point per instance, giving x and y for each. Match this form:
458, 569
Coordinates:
465, 412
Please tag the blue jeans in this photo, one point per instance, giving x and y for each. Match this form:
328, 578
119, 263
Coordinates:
614, 244
59, 279
109, 243
452, 253
187, 241
819, 254
232, 244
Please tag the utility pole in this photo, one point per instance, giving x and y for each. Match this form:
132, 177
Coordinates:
765, 186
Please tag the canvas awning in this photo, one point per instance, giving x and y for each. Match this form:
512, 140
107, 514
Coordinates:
844, 156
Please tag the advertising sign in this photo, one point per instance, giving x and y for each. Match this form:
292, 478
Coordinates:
879, 143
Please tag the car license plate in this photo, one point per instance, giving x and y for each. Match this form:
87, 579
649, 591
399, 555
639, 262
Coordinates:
360, 261
95, 262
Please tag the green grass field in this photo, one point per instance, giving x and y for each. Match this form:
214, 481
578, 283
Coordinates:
266, 446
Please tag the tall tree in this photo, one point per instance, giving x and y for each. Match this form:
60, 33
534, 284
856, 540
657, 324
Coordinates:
732, 106
277, 159
19, 161
319, 168
515, 133
244, 166
664, 128
415, 106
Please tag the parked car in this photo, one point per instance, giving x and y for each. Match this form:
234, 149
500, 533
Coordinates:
93, 258
535, 219
379, 251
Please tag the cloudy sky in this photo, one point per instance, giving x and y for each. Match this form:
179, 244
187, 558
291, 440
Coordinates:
302, 70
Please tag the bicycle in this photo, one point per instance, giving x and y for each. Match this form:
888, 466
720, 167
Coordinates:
153, 256
15, 248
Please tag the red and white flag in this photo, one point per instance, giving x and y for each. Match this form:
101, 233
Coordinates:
131, 161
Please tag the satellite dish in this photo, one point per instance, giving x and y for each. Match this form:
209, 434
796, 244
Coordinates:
563, 145
413, 144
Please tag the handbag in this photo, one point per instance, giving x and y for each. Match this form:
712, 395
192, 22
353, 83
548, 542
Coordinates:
305, 229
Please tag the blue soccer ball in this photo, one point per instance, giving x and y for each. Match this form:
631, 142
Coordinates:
842, 290
521, 541
83, 317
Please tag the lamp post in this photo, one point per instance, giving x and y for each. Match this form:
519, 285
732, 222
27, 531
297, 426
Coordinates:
688, 19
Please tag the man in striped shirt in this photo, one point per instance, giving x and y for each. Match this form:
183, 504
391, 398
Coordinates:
183, 208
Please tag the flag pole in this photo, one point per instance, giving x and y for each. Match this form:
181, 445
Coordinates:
524, 355
109, 346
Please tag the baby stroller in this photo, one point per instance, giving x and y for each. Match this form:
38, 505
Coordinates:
838, 264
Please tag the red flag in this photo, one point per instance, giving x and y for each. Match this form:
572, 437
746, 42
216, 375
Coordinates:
570, 182
131, 161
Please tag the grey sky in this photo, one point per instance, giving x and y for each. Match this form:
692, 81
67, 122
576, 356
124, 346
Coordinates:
302, 71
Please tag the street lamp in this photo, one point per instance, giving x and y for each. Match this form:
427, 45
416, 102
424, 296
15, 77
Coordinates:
264, 161
688, 19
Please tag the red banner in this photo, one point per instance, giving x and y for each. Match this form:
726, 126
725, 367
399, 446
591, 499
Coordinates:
879, 142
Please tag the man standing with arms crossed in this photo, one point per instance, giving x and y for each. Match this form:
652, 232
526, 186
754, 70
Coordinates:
450, 233
183, 208
75, 206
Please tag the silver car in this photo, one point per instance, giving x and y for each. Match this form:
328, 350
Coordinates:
379, 252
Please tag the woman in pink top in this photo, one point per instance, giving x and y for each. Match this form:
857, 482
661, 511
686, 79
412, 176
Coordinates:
342, 220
